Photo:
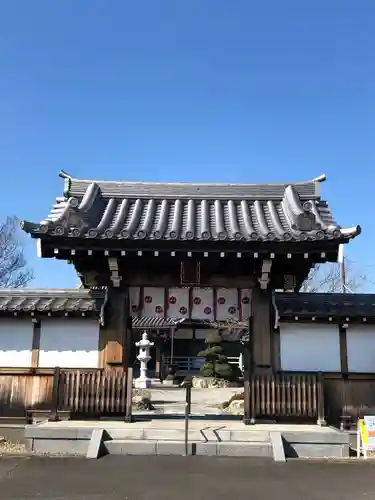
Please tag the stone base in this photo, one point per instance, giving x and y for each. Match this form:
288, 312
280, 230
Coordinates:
142, 383
233, 439
169, 383
211, 382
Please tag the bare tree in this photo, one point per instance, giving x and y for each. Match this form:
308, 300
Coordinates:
325, 278
13, 270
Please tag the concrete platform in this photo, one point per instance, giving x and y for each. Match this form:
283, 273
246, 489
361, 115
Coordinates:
206, 437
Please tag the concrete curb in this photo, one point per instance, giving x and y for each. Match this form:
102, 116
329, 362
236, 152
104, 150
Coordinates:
277, 445
96, 444
155, 447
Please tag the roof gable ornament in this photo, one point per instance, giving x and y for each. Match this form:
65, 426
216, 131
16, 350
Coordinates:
300, 215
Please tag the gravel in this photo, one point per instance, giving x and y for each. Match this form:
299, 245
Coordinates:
7, 447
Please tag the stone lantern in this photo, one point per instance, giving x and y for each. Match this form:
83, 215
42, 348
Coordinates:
143, 382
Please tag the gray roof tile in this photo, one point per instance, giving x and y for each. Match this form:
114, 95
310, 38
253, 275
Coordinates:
50, 300
325, 305
84, 300
179, 211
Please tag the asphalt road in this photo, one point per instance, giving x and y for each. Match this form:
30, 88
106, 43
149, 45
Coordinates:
180, 478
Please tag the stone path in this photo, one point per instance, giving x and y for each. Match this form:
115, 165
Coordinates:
171, 400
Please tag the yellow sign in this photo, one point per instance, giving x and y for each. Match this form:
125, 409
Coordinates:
363, 431
365, 436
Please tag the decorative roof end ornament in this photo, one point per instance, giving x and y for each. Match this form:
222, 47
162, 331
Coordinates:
67, 181
321, 178
64, 175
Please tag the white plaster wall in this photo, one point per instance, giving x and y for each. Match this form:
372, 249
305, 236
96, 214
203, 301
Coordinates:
360, 341
16, 339
309, 347
69, 343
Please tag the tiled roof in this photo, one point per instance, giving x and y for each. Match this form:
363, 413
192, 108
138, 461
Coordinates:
50, 300
325, 304
179, 211
152, 322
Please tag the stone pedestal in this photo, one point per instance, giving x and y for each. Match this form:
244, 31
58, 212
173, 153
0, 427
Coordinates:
142, 383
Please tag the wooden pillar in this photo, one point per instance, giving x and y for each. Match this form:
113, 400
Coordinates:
35, 344
276, 350
261, 330
157, 359
343, 350
115, 336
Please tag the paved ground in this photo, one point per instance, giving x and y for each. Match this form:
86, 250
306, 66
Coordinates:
171, 478
171, 400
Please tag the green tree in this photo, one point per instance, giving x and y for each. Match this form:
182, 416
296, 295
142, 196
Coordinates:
216, 363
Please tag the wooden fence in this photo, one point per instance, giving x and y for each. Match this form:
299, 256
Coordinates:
86, 393
351, 395
24, 388
93, 393
284, 396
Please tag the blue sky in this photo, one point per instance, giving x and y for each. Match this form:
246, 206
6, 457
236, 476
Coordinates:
203, 90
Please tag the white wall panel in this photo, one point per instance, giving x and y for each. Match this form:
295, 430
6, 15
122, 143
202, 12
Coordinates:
309, 347
361, 348
16, 339
69, 343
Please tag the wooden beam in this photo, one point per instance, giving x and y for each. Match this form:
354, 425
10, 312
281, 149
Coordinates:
343, 350
35, 344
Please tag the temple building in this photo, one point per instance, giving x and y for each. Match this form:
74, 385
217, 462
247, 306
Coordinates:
182, 259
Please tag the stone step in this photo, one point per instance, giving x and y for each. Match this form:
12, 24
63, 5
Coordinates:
169, 447
204, 434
